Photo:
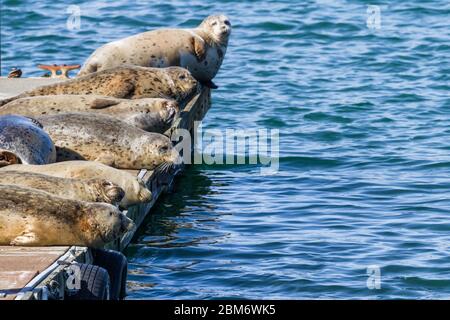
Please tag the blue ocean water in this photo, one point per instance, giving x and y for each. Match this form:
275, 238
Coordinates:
363, 111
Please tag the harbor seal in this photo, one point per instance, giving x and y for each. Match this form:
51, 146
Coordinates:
101, 138
22, 140
200, 50
30, 217
92, 190
127, 82
150, 114
135, 190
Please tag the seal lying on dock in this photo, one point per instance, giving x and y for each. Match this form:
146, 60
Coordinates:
127, 82
151, 114
30, 217
93, 190
22, 140
135, 190
101, 138
200, 50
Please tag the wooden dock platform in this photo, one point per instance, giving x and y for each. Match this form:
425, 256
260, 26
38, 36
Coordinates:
38, 273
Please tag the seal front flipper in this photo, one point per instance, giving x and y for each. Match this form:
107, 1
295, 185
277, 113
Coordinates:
26, 239
209, 84
102, 103
120, 89
199, 48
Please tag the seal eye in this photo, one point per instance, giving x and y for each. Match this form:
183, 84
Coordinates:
111, 213
227, 22
163, 149
182, 77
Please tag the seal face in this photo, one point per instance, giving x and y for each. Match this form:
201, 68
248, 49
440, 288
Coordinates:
150, 114
127, 82
101, 138
135, 190
22, 140
200, 50
30, 217
93, 190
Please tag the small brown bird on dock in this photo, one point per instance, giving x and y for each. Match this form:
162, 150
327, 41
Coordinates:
61, 71
15, 73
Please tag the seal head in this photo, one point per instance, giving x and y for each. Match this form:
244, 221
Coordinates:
107, 223
184, 84
218, 27
107, 191
169, 158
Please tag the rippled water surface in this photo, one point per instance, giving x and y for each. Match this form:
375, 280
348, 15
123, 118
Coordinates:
364, 120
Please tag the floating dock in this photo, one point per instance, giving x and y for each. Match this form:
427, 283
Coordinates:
40, 273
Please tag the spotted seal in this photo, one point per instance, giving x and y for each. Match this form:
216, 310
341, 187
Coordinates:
135, 190
92, 190
101, 138
201, 50
127, 82
150, 114
30, 217
22, 140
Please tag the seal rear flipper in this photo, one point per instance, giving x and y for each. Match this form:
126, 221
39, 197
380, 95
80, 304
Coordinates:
8, 100
8, 158
209, 84
102, 103
26, 239
89, 67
